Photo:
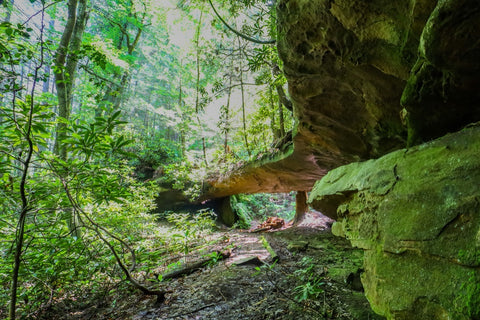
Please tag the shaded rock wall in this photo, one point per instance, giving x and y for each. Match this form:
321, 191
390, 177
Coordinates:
416, 213
371, 77
442, 91
347, 63
359, 69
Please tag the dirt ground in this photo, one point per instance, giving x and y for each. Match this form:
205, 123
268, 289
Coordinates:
308, 255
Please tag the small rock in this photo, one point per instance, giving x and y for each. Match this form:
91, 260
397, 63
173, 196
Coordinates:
249, 261
298, 246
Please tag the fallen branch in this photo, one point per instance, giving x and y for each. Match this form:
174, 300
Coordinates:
191, 268
261, 229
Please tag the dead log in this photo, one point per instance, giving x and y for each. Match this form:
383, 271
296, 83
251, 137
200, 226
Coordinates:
261, 229
191, 268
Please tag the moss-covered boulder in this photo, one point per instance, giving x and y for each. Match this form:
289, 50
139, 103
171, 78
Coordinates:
416, 212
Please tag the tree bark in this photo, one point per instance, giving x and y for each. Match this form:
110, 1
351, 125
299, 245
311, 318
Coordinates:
197, 85
245, 137
281, 118
114, 94
47, 69
283, 98
226, 127
8, 7
275, 131
66, 61
181, 113
23, 188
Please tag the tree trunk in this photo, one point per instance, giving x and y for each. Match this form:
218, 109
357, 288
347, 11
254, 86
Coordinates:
226, 113
47, 69
301, 207
23, 188
197, 49
245, 137
283, 98
65, 67
66, 61
115, 93
281, 121
197, 86
8, 7
181, 113
275, 131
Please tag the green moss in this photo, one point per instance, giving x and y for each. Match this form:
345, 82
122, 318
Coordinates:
469, 257
244, 218
468, 299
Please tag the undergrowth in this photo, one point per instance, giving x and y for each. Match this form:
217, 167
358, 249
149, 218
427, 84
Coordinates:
68, 271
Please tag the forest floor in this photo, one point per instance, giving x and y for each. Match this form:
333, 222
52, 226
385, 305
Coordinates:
316, 277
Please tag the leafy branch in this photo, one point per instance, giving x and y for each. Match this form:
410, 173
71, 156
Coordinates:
238, 33
101, 232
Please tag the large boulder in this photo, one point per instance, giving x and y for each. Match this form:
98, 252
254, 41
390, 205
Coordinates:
347, 63
416, 213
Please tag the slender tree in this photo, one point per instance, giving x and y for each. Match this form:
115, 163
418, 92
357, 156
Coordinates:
65, 66
242, 91
8, 6
273, 127
198, 106
226, 113
26, 207
130, 25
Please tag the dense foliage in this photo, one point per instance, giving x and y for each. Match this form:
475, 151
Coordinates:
96, 100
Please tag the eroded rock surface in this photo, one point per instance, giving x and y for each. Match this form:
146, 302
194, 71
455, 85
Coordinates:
347, 63
366, 78
357, 69
442, 91
416, 213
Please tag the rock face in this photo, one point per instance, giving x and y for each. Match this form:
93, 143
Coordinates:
357, 68
347, 63
366, 78
442, 91
416, 213
291, 169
